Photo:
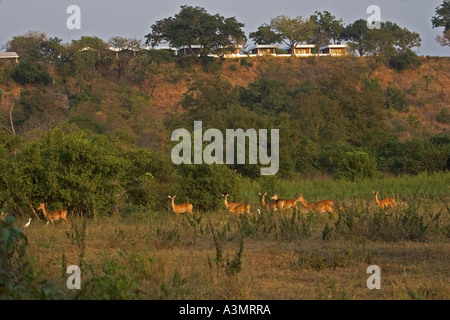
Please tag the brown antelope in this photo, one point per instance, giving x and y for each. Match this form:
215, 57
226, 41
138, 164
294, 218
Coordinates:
240, 209
320, 206
286, 204
236, 207
383, 203
54, 215
268, 205
181, 208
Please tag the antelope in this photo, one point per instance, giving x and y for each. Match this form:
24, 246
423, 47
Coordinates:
383, 203
236, 207
269, 205
286, 204
181, 208
54, 215
240, 209
320, 206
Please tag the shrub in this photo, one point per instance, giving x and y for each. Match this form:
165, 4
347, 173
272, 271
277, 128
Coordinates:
357, 165
203, 185
404, 60
414, 157
443, 116
329, 157
30, 72
246, 63
396, 99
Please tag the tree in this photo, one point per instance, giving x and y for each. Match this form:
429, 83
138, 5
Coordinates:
392, 45
126, 49
194, 26
51, 50
442, 19
293, 31
328, 28
28, 46
265, 35
356, 34
404, 39
89, 54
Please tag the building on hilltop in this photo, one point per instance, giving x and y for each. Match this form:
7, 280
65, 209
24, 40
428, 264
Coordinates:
9, 55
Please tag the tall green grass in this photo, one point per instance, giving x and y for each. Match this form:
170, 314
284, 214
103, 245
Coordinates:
433, 187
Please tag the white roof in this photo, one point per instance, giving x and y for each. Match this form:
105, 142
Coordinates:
122, 49
300, 46
264, 46
334, 46
8, 55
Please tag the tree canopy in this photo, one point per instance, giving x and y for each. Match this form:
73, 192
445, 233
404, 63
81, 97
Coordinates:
194, 26
442, 19
293, 31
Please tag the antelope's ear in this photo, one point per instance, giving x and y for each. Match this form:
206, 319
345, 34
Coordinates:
169, 197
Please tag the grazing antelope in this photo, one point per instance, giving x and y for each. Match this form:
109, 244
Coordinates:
286, 204
320, 206
383, 203
236, 207
269, 205
54, 215
181, 208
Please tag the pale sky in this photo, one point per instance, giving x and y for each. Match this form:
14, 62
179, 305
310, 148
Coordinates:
133, 18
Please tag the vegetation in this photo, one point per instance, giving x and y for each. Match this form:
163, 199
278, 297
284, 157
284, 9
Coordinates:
193, 26
87, 129
442, 19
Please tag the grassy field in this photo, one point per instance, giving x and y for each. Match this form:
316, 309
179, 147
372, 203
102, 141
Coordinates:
301, 255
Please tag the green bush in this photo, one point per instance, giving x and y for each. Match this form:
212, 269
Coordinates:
246, 63
443, 116
404, 60
330, 156
86, 174
414, 157
203, 185
31, 72
396, 99
357, 165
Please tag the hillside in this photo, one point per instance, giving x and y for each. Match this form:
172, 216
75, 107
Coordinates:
425, 88
323, 107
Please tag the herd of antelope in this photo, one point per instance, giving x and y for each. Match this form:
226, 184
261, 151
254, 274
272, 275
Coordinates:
275, 203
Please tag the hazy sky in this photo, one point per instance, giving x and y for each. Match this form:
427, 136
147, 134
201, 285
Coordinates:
133, 18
